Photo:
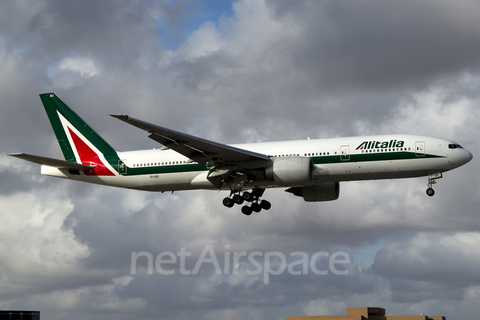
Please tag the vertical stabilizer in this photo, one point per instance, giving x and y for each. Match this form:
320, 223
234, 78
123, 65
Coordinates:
79, 142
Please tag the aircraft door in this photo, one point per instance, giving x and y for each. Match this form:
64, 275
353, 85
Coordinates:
345, 153
420, 148
122, 166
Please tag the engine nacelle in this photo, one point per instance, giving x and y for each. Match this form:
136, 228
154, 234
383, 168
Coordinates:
291, 171
325, 191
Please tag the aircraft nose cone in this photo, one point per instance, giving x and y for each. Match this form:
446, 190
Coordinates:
468, 156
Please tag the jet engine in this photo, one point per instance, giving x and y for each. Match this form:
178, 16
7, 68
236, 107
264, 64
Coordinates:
325, 191
291, 171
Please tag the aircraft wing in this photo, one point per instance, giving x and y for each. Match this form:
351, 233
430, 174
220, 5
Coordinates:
61, 164
194, 148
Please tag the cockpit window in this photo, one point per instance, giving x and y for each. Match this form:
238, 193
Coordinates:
454, 146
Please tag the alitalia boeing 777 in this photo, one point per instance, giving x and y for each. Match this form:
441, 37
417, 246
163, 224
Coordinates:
311, 168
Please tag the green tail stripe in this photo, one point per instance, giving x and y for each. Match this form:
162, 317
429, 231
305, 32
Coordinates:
52, 104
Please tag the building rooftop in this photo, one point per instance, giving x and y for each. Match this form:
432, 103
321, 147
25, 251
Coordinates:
365, 313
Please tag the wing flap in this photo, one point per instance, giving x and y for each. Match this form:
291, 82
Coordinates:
195, 148
61, 164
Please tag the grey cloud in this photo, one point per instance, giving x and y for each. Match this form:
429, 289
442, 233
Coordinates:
92, 29
286, 70
221, 294
405, 291
428, 264
377, 45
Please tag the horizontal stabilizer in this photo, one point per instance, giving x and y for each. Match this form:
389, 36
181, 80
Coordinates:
61, 164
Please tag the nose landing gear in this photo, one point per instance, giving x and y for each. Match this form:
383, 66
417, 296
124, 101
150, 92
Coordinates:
430, 191
431, 181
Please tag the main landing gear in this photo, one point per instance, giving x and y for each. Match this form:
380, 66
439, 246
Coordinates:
253, 197
431, 182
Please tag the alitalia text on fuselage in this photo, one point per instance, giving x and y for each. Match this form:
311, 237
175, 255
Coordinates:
381, 144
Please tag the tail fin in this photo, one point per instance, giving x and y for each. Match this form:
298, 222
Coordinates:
79, 142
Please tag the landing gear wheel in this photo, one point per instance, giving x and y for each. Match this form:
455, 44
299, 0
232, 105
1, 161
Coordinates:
227, 202
265, 204
246, 210
256, 207
430, 192
431, 181
247, 196
238, 199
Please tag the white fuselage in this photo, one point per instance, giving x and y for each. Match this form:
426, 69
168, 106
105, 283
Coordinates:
335, 159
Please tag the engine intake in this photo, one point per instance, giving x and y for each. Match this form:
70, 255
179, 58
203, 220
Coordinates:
326, 191
291, 171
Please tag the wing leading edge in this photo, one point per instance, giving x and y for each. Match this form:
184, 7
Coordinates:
197, 149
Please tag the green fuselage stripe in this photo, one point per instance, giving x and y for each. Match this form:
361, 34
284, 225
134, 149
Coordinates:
367, 157
374, 156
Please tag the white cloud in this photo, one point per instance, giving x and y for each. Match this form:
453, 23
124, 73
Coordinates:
432, 113
35, 247
73, 72
203, 42
86, 67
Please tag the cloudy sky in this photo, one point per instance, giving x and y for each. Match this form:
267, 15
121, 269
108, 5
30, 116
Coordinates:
239, 71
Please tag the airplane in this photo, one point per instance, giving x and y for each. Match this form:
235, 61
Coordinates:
312, 168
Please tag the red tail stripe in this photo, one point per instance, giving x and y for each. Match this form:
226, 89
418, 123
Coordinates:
89, 157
